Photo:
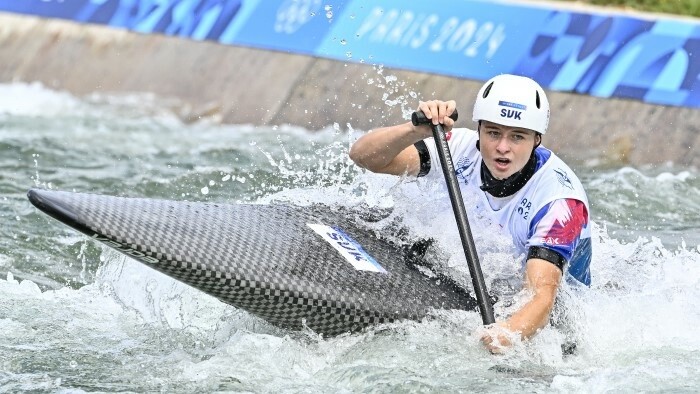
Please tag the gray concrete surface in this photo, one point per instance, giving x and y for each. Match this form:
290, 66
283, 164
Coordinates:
244, 85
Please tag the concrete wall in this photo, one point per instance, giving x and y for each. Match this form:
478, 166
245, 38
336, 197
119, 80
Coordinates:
243, 85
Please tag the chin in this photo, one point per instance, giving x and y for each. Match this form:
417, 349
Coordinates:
500, 175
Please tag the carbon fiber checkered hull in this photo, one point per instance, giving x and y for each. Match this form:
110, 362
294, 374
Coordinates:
264, 259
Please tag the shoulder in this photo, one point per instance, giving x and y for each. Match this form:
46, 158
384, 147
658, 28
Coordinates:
462, 144
542, 154
556, 178
458, 137
463, 132
554, 190
460, 140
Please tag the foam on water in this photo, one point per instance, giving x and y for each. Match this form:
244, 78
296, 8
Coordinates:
125, 327
656, 202
34, 99
636, 330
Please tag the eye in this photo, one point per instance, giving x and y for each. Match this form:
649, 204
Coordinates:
518, 137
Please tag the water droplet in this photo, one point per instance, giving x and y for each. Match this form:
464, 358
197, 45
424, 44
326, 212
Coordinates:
348, 54
352, 16
73, 363
205, 190
226, 178
212, 183
343, 42
275, 127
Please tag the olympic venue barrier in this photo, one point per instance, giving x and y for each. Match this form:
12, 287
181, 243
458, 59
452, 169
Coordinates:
593, 53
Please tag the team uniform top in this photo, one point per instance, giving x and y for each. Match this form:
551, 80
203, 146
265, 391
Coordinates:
551, 211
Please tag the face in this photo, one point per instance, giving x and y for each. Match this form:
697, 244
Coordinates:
505, 149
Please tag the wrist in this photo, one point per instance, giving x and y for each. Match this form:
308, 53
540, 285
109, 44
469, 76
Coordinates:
418, 133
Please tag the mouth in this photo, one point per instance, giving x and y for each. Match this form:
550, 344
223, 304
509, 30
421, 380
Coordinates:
502, 163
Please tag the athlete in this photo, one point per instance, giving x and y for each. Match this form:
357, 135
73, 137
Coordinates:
522, 186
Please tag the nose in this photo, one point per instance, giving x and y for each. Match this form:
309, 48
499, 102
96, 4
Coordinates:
503, 146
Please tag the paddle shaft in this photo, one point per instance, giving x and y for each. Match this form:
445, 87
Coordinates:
465, 233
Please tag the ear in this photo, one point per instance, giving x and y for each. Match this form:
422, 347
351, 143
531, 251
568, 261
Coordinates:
538, 139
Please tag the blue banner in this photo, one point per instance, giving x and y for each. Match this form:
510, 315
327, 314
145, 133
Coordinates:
588, 53
479, 41
297, 26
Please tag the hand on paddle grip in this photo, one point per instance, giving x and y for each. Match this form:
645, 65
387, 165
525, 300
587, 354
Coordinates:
418, 118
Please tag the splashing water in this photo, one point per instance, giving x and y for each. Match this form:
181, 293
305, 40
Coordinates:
396, 93
76, 317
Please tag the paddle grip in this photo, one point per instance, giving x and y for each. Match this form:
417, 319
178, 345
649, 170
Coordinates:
418, 118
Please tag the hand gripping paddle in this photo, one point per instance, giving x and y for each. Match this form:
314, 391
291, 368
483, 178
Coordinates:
465, 233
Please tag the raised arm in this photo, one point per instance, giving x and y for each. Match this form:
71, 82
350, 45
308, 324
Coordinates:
390, 150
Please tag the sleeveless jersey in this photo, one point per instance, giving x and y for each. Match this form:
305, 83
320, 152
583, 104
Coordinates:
550, 211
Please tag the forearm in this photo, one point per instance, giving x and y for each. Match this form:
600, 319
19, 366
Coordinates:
534, 315
378, 149
542, 278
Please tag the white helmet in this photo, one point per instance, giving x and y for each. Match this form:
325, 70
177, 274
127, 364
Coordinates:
514, 101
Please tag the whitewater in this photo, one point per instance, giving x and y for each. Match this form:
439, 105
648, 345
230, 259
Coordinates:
77, 317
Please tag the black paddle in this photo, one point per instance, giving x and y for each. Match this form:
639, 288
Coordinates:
465, 233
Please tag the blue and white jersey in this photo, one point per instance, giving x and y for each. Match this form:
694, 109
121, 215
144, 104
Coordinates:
550, 211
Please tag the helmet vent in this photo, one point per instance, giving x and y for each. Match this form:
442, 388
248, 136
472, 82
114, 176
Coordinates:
537, 99
488, 90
